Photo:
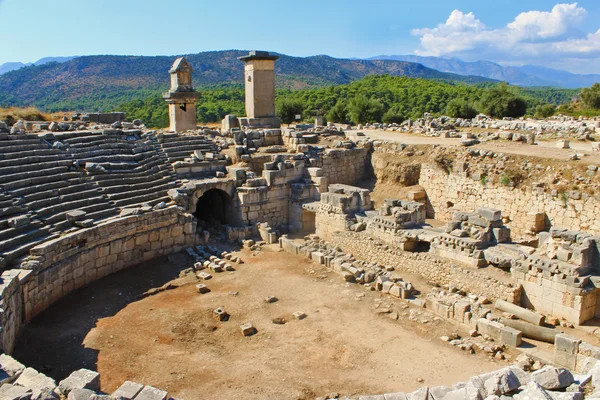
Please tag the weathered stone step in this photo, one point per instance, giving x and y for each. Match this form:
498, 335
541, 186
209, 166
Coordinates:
138, 186
8, 212
110, 180
33, 174
17, 169
34, 153
135, 193
40, 180
21, 141
50, 213
139, 199
12, 162
42, 187
8, 233
151, 202
25, 147
13, 254
130, 173
22, 237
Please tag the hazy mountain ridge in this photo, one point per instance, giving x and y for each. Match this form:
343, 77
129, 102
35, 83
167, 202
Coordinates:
99, 82
527, 75
11, 66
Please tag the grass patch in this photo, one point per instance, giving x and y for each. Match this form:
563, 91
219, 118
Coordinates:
13, 114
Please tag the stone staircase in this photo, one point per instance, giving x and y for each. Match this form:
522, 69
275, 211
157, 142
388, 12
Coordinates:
178, 147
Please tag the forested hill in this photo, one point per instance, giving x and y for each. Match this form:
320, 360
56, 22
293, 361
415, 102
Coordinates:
99, 83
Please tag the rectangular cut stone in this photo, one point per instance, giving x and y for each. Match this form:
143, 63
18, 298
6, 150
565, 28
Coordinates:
128, 390
80, 379
510, 336
566, 343
490, 328
151, 393
491, 214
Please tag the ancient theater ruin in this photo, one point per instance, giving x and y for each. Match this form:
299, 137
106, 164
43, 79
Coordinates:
269, 261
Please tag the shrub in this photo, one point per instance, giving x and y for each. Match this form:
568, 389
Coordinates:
394, 115
338, 113
460, 108
500, 101
545, 110
363, 110
591, 96
287, 109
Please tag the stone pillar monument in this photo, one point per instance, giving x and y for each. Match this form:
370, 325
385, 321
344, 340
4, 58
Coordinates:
181, 97
259, 78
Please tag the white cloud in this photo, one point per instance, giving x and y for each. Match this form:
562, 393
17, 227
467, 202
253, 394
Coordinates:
534, 36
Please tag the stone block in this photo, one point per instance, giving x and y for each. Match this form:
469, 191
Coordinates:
19, 221
220, 314
552, 378
566, 343
36, 381
128, 390
151, 393
299, 315
490, 328
510, 336
80, 379
491, 214
247, 329
10, 369
202, 289
81, 394
14, 392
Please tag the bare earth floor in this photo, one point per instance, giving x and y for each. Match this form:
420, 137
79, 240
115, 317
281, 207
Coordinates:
171, 341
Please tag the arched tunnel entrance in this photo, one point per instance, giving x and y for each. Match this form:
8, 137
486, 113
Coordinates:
215, 206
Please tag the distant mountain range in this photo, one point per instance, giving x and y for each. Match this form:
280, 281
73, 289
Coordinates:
527, 75
102, 82
11, 66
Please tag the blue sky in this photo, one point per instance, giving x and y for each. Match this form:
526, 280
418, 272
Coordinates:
516, 32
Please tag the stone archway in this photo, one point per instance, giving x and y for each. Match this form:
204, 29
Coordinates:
213, 206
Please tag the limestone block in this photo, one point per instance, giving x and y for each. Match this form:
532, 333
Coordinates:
510, 336
128, 390
566, 343
14, 392
491, 214
80, 379
490, 328
36, 381
151, 393
10, 368
552, 378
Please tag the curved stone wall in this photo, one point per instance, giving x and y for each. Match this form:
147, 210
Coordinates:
59, 266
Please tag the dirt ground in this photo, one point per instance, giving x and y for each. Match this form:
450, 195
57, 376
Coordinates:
542, 149
171, 341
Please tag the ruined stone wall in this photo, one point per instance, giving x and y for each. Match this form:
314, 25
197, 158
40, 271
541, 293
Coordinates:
449, 192
76, 259
11, 304
59, 266
434, 270
348, 166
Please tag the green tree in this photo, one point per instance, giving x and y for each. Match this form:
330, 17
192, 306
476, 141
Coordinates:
460, 108
500, 101
545, 110
591, 96
363, 110
338, 113
394, 115
287, 109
